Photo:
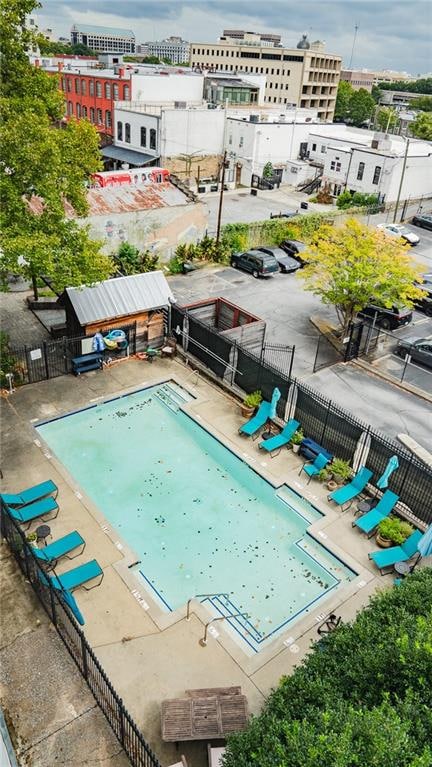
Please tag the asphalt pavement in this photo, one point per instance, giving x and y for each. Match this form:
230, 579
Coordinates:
287, 308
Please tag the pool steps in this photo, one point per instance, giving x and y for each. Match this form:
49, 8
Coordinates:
172, 396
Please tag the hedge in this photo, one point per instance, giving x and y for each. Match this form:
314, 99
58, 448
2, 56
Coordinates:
362, 698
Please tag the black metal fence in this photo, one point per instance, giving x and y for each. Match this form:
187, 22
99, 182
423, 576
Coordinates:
337, 430
125, 729
53, 358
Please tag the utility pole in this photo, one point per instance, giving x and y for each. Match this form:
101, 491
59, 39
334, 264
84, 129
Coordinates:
402, 178
224, 165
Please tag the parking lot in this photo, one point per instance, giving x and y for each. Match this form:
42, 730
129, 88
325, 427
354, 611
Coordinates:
287, 309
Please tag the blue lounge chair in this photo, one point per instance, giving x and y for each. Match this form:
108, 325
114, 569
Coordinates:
279, 440
73, 579
258, 421
368, 522
388, 557
61, 548
32, 494
347, 493
312, 469
27, 514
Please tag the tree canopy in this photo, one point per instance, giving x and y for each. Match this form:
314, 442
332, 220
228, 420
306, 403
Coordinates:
361, 698
44, 168
387, 118
350, 265
421, 127
353, 106
423, 103
423, 85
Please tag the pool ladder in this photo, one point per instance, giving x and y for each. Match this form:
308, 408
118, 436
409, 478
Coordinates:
203, 640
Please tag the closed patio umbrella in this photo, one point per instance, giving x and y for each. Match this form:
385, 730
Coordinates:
362, 450
274, 400
392, 465
424, 547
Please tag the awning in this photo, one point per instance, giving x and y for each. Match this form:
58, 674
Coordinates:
127, 155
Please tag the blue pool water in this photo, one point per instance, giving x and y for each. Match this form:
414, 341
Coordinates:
198, 518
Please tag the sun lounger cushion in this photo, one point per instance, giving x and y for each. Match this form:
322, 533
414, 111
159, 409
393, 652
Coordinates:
279, 440
34, 510
60, 548
258, 420
31, 494
389, 557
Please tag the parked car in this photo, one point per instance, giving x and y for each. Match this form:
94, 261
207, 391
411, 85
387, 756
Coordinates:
423, 220
420, 350
294, 248
388, 318
286, 263
285, 214
397, 230
424, 304
256, 262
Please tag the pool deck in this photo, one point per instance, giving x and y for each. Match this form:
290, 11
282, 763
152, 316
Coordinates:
149, 656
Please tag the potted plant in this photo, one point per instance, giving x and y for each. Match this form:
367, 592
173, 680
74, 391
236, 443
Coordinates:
392, 531
296, 440
250, 403
31, 538
341, 470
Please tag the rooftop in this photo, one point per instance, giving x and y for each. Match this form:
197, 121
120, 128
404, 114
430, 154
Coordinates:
96, 30
364, 138
120, 296
127, 199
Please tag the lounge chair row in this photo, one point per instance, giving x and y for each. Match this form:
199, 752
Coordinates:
34, 503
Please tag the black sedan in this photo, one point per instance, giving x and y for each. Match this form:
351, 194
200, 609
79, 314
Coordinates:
294, 248
286, 263
419, 349
423, 220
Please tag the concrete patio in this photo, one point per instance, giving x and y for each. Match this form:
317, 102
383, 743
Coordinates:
147, 655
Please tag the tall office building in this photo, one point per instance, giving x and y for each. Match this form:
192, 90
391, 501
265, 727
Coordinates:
304, 76
103, 39
173, 48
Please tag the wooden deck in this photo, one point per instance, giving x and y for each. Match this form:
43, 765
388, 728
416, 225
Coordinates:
207, 713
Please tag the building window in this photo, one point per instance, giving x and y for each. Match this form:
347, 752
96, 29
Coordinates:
98, 89
377, 174
335, 166
115, 92
84, 113
241, 142
107, 119
323, 149
78, 110
70, 108
77, 85
107, 90
143, 136
313, 147
126, 92
92, 115
127, 133
91, 87
119, 131
360, 171
83, 87
230, 139
69, 84
152, 144
99, 116
64, 84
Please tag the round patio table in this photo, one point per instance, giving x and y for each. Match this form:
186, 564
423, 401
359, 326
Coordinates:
42, 533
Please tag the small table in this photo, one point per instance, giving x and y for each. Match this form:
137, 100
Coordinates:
364, 506
402, 568
203, 718
42, 533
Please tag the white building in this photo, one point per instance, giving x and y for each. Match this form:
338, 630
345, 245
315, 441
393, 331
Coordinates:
371, 163
153, 85
103, 39
173, 48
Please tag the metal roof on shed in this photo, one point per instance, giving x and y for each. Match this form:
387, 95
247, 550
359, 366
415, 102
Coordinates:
120, 296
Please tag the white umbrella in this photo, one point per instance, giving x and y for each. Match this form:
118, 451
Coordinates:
291, 402
362, 450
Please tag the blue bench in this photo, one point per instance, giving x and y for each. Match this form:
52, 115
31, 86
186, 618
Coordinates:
310, 449
86, 362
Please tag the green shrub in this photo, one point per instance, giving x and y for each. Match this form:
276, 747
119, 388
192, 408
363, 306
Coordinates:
340, 468
395, 529
361, 698
297, 438
253, 399
8, 363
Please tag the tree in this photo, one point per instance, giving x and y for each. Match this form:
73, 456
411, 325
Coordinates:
44, 168
79, 49
131, 261
422, 126
423, 103
344, 93
268, 170
387, 118
361, 698
424, 85
361, 105
376, 93
352, 264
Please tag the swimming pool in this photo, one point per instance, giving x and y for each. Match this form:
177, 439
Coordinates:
199, 519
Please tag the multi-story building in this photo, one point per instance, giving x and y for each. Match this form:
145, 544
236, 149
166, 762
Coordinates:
173, 48
250, 38
300, 76
358, 78
389, 76
103, 39
90, 94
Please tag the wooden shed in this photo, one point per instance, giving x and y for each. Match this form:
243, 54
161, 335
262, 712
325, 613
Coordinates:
230, 321
119, 302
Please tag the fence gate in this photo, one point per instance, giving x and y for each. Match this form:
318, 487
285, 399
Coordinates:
279, 357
